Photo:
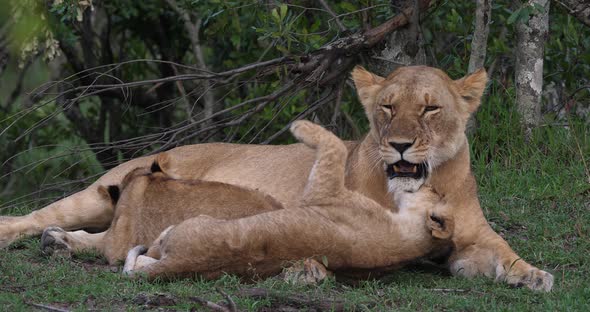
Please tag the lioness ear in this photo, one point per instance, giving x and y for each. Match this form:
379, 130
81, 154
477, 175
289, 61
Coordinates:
471, 88
367, 84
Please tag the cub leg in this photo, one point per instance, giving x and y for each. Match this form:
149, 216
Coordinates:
131, 264
155, 251
327, 175
55, 239
259, 244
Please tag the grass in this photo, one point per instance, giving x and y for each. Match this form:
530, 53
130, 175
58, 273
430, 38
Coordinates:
536, 194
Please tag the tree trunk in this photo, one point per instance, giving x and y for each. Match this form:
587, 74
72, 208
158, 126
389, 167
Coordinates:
404, 46
531, 36
479, 44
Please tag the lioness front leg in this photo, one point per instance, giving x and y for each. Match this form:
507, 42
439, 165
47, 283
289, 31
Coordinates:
87, 208
57, 240
490, 255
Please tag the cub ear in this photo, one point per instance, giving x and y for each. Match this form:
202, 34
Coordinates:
471, 88
367, 84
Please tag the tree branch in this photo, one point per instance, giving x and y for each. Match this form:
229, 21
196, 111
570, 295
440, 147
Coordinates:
193, 33
578, 9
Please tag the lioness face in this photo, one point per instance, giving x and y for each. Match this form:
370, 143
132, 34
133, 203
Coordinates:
418, 117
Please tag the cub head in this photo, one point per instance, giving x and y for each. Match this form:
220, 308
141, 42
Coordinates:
418, 117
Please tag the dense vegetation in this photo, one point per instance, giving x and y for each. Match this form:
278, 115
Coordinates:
54, 143
58, 132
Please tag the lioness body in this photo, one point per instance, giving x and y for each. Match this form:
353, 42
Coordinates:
434, 137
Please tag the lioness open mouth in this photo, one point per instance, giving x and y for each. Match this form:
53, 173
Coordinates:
404, 169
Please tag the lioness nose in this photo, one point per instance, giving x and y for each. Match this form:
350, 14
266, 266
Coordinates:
401, 147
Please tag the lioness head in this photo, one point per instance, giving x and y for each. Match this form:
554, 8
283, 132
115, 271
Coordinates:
418, 116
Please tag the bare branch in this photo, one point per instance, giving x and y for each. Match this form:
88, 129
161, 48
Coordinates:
193, 33
336, 19
231, 306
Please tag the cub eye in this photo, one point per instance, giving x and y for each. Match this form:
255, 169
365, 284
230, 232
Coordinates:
430, 108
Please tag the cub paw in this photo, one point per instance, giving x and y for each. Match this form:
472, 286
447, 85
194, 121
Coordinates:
54, 241
441, 225
533, 278
307, 132
131, 261
305, 272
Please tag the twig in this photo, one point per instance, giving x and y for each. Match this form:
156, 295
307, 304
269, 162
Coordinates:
334, 16
337, 102
455, 290
47, 307
231, 303
231, 306
449, 290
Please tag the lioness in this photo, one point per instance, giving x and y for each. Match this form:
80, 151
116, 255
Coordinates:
347, 228
417, 116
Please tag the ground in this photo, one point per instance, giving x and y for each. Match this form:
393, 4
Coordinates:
536, 195
550, 233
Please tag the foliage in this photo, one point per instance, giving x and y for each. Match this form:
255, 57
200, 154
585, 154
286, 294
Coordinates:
235, 33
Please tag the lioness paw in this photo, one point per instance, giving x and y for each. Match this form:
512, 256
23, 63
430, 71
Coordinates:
532, 278
54, 242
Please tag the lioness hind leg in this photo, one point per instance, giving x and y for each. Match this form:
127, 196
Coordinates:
55, 240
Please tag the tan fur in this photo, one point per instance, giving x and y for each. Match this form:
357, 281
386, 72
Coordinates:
282, 171
332, 223
151, 202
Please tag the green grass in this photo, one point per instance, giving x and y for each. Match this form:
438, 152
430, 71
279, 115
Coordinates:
536, 194
550, 231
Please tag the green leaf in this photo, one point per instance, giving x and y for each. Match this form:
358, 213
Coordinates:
325, 261
283, 9
275, 15
349, 7
512, 18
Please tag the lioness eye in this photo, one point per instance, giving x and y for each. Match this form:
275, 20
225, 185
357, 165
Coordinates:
387, 107
431, 108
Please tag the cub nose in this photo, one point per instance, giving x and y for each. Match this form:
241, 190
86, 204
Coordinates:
401, 147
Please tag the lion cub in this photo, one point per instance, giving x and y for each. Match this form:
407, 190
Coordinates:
147, 201
332, 223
